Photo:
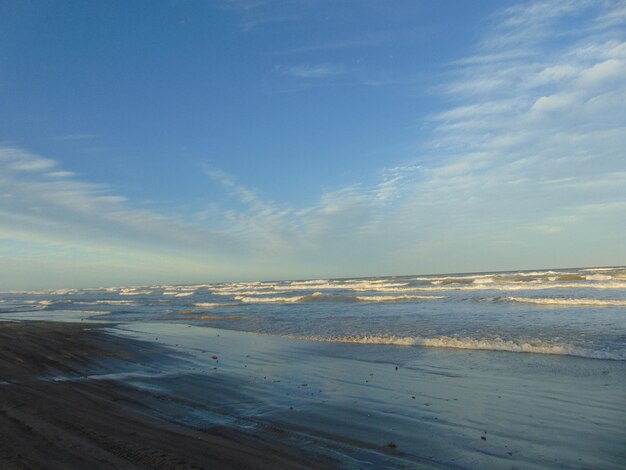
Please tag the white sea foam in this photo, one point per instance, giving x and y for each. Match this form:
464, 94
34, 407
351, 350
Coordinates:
537, 273
249, 299
249, 292
63, 292
115, 302
365, 339
42, 304
179, 292
308, 283
305, 286
600, 269
43, 292
526, 277
613, 284
279, 300
486, 344
395, 298
452, 278
505, 282
503, 286
321, 296
344, 285
520, 346
567, 302
252, 286
399, 289
210, 304
135, 292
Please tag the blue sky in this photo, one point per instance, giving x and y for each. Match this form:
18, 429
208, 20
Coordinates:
184, 141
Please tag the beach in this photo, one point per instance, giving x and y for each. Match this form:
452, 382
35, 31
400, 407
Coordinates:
174, 395
301, 234
54, 415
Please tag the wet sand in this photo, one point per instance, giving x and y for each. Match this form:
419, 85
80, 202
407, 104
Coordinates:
83, 422
377, 406
175, 395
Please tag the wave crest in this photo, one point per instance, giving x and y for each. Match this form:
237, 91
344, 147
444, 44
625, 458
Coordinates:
484, 344
396, 298
283, 300
323, 297
567, 302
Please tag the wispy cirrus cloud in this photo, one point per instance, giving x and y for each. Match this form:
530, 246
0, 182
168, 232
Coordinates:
307, 71
537, 130
257, 14
534, 135
524, 167
17, 160
42, 205
265, 227
60, 174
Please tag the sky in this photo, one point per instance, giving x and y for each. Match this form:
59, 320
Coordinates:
201, 141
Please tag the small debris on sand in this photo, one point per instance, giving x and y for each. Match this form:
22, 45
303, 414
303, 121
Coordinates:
392, 445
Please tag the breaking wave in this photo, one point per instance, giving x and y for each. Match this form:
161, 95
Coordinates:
490, 344
132, 291
114, 302
248, 292
520, 346
396, 298
567, 302
533, 285
320, 296
317, 296
211, 304
372, 285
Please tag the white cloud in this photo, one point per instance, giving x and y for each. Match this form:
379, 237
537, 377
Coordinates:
311, 71
538, 133
60, 174
530, 153
48, 208
15, 159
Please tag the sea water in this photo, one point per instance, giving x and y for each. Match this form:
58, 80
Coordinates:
574, 312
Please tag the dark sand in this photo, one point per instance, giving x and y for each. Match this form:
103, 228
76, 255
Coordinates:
95, 423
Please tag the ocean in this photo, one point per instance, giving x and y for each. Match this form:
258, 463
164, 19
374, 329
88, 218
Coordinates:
522, 369
575, 312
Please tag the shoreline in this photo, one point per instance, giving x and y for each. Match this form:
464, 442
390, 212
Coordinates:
197, 397
95, 423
